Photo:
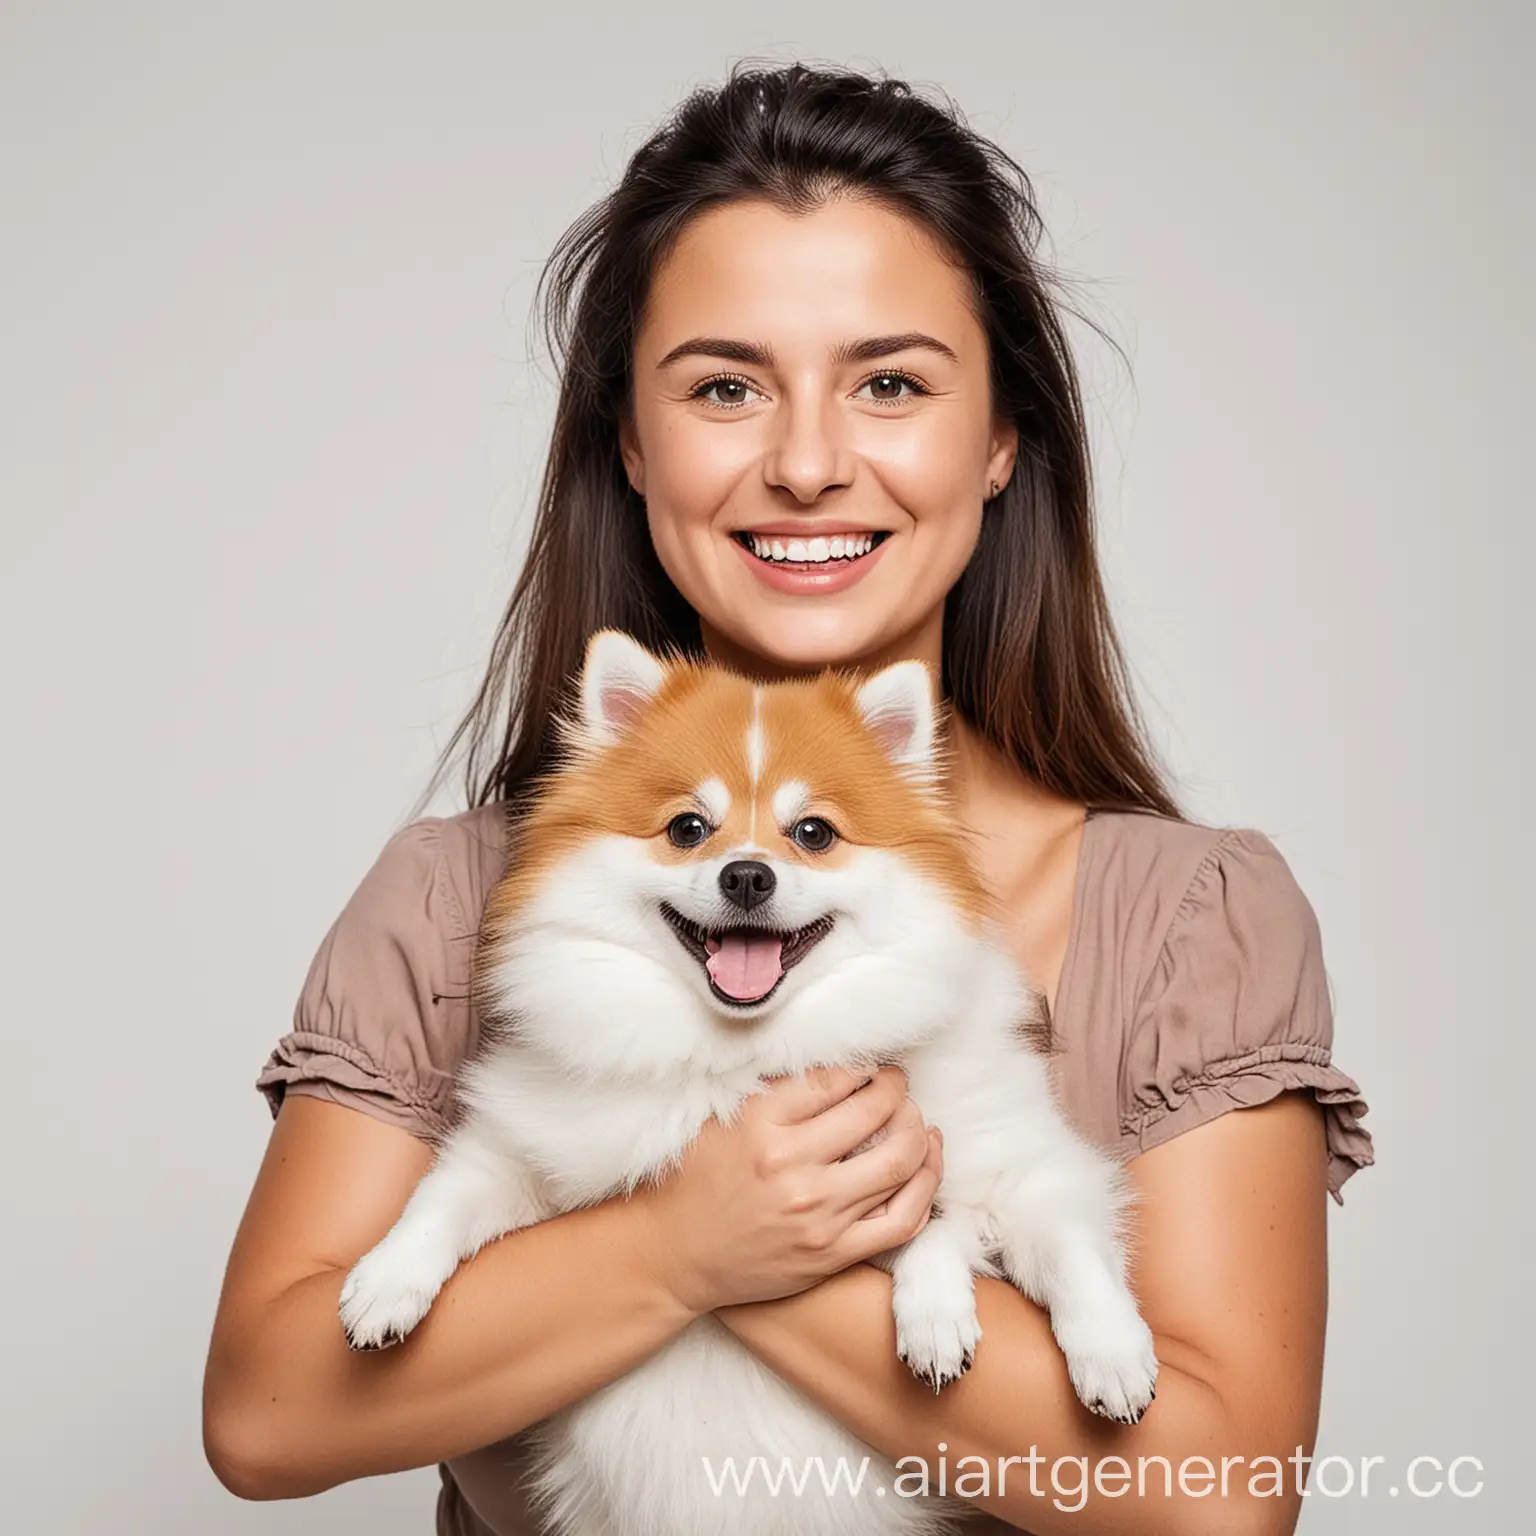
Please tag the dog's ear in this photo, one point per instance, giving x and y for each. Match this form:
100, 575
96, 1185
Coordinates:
897, 704
618, 679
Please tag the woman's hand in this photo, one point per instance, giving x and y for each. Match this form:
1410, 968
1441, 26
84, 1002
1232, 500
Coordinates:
772, 1203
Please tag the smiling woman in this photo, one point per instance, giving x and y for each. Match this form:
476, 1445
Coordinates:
854, 455
879, 465
817, 412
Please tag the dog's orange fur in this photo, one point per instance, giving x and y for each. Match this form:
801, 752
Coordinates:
696, 729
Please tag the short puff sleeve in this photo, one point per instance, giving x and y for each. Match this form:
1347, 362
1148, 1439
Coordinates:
1236, 1010
382, 1022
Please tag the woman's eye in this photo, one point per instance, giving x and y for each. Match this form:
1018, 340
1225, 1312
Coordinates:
687, 830
813, 834
730, 392
887, 386
734, 391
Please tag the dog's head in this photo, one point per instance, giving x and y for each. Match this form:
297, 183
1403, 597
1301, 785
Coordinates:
717, 848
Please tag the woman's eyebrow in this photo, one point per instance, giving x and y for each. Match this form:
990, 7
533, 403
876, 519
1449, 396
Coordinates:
760, 355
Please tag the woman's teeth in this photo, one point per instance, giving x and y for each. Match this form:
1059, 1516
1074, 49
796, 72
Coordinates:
840, 546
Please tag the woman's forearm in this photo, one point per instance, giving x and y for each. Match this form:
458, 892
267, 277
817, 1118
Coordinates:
533, 1322
837, 1344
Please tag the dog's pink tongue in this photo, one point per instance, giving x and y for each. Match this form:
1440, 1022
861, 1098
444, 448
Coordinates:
746, 965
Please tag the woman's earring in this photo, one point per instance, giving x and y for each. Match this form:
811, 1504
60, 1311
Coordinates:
992, 491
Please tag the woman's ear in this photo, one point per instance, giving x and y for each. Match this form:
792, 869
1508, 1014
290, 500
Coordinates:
629, 451
1003, 451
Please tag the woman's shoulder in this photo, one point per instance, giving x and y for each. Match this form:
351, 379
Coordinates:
1145, 852
1152, 873
472, 846
1161, 894
435, 872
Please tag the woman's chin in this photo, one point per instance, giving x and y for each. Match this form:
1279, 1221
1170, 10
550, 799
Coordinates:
806, 645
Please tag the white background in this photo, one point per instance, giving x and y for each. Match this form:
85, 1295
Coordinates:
270, 428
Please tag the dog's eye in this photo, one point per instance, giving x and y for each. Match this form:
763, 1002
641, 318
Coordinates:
813, 834
688, 830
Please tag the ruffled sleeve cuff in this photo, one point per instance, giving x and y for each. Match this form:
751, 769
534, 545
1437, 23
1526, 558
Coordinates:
383, 1020
1237, 1011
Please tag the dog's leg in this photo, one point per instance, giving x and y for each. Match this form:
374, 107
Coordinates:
934, 1296
1057, 1239
471, 1194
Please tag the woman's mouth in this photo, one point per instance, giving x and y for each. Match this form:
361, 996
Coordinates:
820, 550
810, 563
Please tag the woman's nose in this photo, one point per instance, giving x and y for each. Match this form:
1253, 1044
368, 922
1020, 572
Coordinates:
806, 454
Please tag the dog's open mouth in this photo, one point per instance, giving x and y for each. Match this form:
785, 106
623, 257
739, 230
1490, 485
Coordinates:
745, 965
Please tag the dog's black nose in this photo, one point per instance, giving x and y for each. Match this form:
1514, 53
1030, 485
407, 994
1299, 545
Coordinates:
747, 883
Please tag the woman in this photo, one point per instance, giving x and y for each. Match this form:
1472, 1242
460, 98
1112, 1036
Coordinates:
810, 319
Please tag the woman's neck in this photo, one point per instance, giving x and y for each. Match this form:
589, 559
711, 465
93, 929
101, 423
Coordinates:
987, 780
1013, 821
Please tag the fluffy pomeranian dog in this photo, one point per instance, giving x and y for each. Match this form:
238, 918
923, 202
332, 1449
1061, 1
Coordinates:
725, 882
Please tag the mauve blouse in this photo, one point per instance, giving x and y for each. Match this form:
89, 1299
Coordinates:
1193, 983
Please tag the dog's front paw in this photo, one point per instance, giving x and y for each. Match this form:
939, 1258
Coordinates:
1112, 1364
382, 1301
936, 1337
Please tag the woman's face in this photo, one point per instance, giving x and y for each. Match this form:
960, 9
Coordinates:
813, 433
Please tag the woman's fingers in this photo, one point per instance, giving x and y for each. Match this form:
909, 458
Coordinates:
852, 1120
906, 1213
859, 1184
878, 1164
805, 1096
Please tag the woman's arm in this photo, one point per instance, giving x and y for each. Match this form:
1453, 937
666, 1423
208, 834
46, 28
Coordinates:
541, 1317
1230, 1268
535, 1321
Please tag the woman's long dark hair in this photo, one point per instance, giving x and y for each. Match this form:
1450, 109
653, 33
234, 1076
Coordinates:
1031, 659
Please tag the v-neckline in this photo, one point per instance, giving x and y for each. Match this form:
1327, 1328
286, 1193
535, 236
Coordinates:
1064, 977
